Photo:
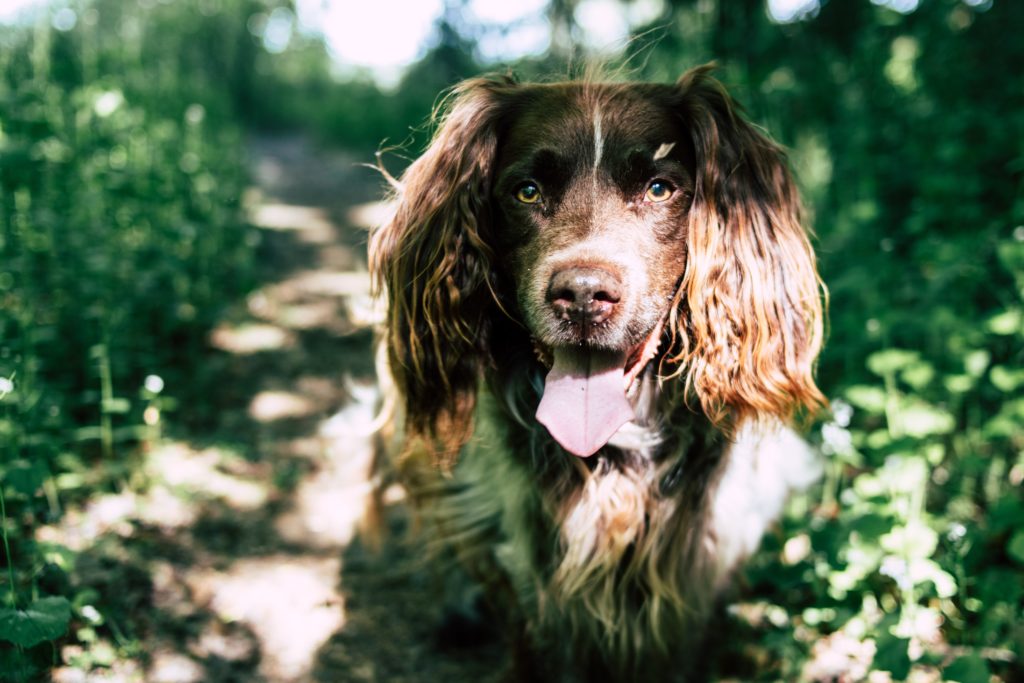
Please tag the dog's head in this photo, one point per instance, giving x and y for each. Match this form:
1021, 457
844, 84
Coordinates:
616, 223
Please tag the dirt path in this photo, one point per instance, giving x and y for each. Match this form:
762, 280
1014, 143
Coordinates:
239, 559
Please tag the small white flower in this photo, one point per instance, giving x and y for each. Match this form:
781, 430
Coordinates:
195, 114
841, 412
896, 569
6, 385
836, 439
92, 614
154, 384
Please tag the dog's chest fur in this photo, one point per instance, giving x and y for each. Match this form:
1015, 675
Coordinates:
608, 562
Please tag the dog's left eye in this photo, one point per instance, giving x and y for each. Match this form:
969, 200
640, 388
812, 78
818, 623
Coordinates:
528, 193
658, 191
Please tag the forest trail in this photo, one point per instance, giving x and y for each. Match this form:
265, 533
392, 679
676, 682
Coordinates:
239, 558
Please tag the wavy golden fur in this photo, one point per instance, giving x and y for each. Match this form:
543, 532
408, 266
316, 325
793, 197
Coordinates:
606, 564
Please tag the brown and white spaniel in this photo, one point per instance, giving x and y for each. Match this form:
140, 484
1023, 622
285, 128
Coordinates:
603, 311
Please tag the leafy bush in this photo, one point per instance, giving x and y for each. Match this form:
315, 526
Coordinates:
121, 235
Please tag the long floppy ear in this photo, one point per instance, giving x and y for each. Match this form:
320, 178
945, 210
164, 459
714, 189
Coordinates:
436, 269
749, 322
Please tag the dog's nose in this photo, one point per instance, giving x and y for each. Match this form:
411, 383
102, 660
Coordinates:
586, 295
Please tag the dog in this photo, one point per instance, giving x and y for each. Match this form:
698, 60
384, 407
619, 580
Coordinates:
603, 312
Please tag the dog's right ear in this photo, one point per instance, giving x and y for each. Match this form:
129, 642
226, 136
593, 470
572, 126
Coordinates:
752, 298
432, 263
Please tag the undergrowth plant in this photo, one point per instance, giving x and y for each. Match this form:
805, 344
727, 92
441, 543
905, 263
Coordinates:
122, 235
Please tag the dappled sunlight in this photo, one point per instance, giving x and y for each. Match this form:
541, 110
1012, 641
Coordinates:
370, 215
840, 656
268, 406
174, 667
309, 316
273, 579
328, 511
329, 299
204, 474
180, 479
359, 419
78, 529
290, 602
250, 338
310, 223
330, 283
330, 505
287, 305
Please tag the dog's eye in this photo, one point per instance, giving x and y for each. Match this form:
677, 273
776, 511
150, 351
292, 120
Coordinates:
658, 191
528, 193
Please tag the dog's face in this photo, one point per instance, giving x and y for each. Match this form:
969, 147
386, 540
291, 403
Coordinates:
616, 217
592, 186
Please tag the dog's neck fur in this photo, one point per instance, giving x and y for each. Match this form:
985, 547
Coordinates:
628, 522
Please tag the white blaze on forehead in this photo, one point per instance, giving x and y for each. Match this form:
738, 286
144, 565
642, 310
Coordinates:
598, 138
663, 150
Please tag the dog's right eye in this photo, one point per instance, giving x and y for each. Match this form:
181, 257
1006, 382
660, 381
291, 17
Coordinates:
528, 193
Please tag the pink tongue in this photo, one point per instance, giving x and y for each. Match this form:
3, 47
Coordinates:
584, 400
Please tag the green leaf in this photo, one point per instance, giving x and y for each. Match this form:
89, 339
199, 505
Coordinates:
958, 384
117, 406
43, 620
967, 669
976, 362
1008, 422
871, 525
18, 665
869, 398
1015, 548
922, 570
918, 375
913, 541
1006, 379
884, 363
920, 420
1011, 255
23, 476
1006, 514
892, 656
87, 433
1007, 322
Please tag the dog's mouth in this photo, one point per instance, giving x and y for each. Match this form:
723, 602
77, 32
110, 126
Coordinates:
584, 401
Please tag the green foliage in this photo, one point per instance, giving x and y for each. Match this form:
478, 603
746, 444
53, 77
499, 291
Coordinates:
43, 620
122, 234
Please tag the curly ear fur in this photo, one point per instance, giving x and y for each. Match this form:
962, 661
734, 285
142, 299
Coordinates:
748, 324
435, 269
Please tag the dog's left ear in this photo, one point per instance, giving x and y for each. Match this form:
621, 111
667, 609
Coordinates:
435, 268
749, 321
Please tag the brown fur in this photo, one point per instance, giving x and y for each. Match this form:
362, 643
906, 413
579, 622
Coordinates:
609, 563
